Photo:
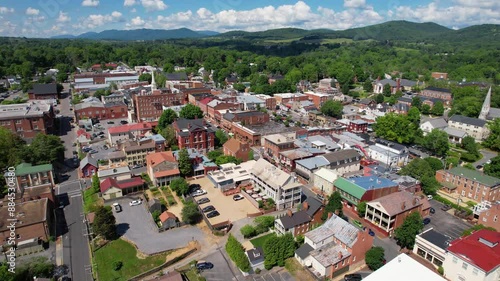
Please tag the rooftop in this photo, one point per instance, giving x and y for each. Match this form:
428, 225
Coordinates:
438, 89
26, 213
399, 202
273, 176
304, 250
329, 254
123, 184
455, 132
232, 173
468, 120
326, 174
342, 156
438, 122
481, 248
372, 182
313, 162
281, 138
153, 159
255, 254
24, 110
336, 227
44, 89
436, 238
475, 175
113, 171
27, 168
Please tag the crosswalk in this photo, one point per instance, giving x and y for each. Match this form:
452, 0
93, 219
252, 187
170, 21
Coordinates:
74, 193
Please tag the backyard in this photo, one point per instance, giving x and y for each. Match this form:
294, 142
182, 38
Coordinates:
259, 241
108, 257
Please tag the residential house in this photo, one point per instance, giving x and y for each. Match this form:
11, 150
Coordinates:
136, 151
438, 93
237, 148
404, 265
390, 153
491, 216
114, 172
276, 143
302, 221
358, 126
201, 164
333, 248
34, 182
162, 168
112, 188
470, 183
231, 176
367, 103
33, 222
195, 134
455, 135
203, 105
342, 162
256, 258
324, 180
168, 220
283, 188
431, 245
474, 127
28, 119
475, 257
43, 92
389, 212
357, 189
88, 166
287, 158
127, 132
431, 124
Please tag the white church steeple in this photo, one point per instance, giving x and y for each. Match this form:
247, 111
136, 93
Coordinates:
153, 83
486, 106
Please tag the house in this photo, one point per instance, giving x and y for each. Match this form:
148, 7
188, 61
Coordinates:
389, 212
455, 135
114, 172
431, 124
342, 162
390, 153
474, 127
162, 168
236, 148
367, 103
404, 265
256, 258
468, 183
201, 164
34, 182
33, 221
324, 180
301, 221
88, 166
357, 126
155, 205
43, 92
287, 158
276, 184
332, 248
231, 175
118, 134
194, 134
136, 151
168, 220
438, 93
491, 216
475, 257
355, 190
318, 98
431, 245
112, 188
28, 119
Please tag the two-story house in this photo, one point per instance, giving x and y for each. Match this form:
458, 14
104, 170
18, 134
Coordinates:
390, 153
301, 221
431, 124
342, 162
195, 134
276, 143
237, 148
136, 151
474, 127
162, 168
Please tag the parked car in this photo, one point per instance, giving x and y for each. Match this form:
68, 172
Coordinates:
111, 122
123, 122
86, 149
198, 192
203, 200
353, 277
117, 207
136, 166
445, 208
193, 187
371, 232
238, 197
479, 167
432, 210
213, 214
202, 265
426, 221
135, 202
429, 197
208, 209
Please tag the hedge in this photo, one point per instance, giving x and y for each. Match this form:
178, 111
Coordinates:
453, 205
237, 254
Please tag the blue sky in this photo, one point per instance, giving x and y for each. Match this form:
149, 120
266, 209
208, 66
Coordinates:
35, 18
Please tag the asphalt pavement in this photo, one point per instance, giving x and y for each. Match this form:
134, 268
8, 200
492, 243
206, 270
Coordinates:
446, 223
487, 155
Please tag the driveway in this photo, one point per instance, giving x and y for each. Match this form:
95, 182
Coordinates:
445, 222
136, 224
487, 155
224, 269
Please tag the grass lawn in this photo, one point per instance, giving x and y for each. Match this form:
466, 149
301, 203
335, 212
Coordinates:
191, 273
120, 250
90, 200
259, 241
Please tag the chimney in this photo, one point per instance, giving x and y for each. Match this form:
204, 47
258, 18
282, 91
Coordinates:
189, 125
289, 213
340, 255
415, 201
330, 215
398, 83
403, 206
305, 206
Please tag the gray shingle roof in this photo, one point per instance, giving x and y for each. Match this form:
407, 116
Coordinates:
88, 160
44, 89
438, 123
342, 156
176, 76
438, 89
296, 219
436, 238
304, 251
468, 120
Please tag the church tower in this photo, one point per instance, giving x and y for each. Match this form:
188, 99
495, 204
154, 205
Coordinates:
153, 83
486, 106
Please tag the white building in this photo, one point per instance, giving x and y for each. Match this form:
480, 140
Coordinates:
474, 127
403, 267
431, 245
283, 188
389, 153
231, 175
324, 179
431, 124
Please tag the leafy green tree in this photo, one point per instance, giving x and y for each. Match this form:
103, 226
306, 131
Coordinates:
469, 166
493, 140
310, 72
368, 87
44, 149
437, 142
223, 159
104, 223
191, 112
248, 231
396, 127
387, 91
167, 118
190, 213
278, 249
426, 109
438, 108
179, 186
416, 102
185, 165
265, 221
334, 205
379, 98
374, 258
250, 155
146, 77
406, 233
493, 169
169, 134
414, 116
434, 163
239, 87
332, 108
96, 185
422, 171
294, 75
168, 68
237, 253
361, 209
469, 144
220, 137
212, 155
39, 267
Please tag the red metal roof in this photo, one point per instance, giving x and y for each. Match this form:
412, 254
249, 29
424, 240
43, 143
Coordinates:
110, 182
475, 250
132, 127
205, 101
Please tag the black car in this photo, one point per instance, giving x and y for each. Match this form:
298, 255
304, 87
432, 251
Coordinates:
193, 187
208, 209
204, 265
123, 122
111, 122
426, 221
213, 214
432, 210
353, 277
203, 200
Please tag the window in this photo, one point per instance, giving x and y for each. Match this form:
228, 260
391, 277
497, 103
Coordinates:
475, 271
464, 266
18, 121
455, 260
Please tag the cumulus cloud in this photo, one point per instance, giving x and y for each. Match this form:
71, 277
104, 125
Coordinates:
354, 3
5, 10
63, 17
32, 11
128, 3
96, 20
116, 14
154, 5
90, 3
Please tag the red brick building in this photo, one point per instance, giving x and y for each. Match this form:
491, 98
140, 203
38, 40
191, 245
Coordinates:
245, 135
236, 148
215, 105
28, 119
300, 222
270, 101
438, 93
290, 97
43, 92
195, 133
491, 216
276, 143
35, 182
357, 126
318, 98
148, 106
101, 111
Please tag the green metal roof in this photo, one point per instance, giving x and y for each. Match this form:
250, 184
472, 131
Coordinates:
26, 169
474, 175
350, 188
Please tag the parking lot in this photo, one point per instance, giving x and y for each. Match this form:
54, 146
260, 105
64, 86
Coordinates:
227, 207
223, 269
445, 222
136, 224
279, 275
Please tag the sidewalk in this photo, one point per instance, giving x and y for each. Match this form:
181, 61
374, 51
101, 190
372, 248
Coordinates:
59, 251
453, 197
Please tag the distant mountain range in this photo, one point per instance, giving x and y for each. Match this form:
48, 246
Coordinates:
392, 30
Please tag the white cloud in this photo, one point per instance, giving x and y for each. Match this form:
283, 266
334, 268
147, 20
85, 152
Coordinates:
90, 3
63, 17
32, 11
116, 14
128, 3
96, 20
137, 21
354, 3
5, 10
133, 10
154, 5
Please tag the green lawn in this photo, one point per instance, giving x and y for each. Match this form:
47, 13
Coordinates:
259, 241
120, 250
90, 201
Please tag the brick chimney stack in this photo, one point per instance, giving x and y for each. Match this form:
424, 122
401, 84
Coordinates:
398, 84
330, 215
305, 206
340, 255
289, 213
403, 206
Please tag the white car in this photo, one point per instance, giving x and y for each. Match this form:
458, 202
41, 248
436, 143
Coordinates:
117, 207
198, 192
135, 203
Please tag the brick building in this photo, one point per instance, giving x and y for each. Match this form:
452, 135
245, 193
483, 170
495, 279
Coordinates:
276, 143
439, 75
318, 98
136, 151
94, 108
301, 221
236, 148
245, 135
34, 182
148, 106
491, 216
28, 119
357, 126
289, 97
253, 117
43, 92
162, 167
269, 101
355, 190
195, 133
439, 93
215, 105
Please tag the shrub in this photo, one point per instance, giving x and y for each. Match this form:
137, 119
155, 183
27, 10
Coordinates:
248, 231
441, 270
237, 254
117, 265
257, 271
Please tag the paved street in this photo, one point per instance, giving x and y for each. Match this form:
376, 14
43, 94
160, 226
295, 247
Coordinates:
223, 269
446, 223
487, 155
390, 247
